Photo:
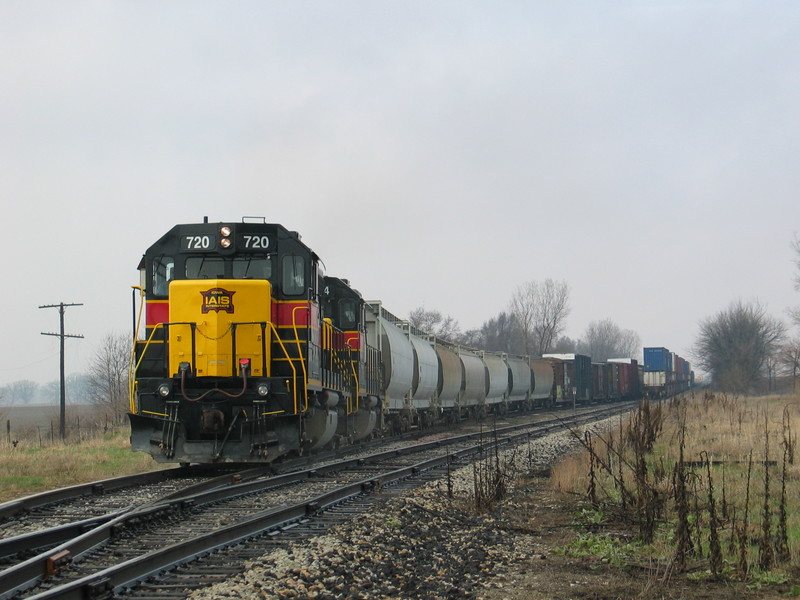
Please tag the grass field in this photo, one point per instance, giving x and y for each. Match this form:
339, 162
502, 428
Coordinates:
40, 422
30, 461
704, 478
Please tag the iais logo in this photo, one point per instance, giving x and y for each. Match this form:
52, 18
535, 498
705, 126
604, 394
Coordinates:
217, 299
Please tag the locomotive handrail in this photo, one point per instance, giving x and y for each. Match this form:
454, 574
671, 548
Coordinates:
166, 326
300, 351
132, 384
341, 373
355, 379
158, 326
132, 366
291, 364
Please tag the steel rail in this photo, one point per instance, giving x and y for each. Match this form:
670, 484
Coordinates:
103, 583
60, 534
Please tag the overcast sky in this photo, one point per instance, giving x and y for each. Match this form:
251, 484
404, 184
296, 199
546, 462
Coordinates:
434, 153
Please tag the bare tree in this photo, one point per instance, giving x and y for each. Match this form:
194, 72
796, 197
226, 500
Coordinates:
3, 405
735, 344
540, 310
789, 358
471, 338
500, 334
78, 388
108, 372
605, 339
434, 322
795, 312
564, 345
21, 392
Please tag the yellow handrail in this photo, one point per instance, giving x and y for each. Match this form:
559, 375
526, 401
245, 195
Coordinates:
133, 365
291, 364
355, 379
131, 368
300, 351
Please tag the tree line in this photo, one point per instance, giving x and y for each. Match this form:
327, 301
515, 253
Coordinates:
533, 325
105, 385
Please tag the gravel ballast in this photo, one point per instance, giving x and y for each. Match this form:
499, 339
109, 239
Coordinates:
422, 545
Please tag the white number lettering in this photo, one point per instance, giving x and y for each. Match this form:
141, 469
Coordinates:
198, 242
256, 241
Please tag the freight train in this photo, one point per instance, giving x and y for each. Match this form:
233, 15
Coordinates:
246, 351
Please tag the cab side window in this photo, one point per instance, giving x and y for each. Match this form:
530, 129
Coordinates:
348, 315
293, 278
163, 273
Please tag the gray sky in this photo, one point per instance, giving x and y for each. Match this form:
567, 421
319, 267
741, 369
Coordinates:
434, 153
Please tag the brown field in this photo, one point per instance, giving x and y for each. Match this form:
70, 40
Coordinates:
40, 422
707, 489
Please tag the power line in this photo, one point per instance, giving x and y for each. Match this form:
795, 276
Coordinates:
61, 306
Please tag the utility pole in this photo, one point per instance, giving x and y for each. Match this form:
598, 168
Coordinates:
63, 414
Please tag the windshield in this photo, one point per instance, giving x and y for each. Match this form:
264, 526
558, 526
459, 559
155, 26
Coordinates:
255, 267
205, 267
239, 267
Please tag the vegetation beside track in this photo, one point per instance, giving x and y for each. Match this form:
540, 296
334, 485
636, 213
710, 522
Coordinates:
29, 468
705, 487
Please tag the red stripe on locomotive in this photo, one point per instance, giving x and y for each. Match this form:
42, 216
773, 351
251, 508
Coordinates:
157, 312
288, 314
353, 339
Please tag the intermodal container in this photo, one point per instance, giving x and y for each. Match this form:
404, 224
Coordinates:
655, 379
657, 359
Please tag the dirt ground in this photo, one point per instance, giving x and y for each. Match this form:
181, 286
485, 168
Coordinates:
541, 524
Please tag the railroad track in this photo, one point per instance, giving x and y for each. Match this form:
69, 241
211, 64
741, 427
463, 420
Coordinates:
99, 500
35, 523
76, 507
105, 558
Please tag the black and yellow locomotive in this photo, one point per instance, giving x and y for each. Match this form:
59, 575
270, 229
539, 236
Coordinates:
248, 352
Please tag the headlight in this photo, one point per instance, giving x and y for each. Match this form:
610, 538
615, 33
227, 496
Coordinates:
225, 231
262, 389
164, 390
